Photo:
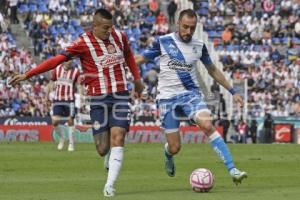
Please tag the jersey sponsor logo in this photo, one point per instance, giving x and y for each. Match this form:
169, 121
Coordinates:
175, 64
111, 60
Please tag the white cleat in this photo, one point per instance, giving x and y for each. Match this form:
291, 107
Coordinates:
60, 145
71, 147
237, 175
108, 191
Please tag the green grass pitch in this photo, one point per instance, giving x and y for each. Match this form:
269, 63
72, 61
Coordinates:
37, 171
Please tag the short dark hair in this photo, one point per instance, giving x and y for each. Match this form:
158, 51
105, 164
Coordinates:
103, 13
188, 12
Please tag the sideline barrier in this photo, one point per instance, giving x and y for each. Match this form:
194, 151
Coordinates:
136, 134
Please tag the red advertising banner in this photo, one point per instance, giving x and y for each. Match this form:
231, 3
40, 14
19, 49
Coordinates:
136, 134
283, 133
26, 133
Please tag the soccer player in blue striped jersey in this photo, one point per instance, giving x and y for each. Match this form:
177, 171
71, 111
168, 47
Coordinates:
179, 92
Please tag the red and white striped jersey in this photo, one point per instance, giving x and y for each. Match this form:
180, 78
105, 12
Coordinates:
103, 61
64, 83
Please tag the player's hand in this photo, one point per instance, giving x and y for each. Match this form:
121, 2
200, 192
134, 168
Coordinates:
138, 86
238, 99
16, 79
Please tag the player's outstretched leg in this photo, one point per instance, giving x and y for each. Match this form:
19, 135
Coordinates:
169, 162
222, 150
203, 120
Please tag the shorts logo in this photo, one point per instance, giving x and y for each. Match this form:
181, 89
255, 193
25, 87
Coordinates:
96, 125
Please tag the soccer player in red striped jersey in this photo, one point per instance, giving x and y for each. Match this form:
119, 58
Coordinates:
65, 77
104, 53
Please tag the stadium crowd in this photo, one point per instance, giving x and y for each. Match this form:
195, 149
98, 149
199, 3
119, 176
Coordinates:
258, 40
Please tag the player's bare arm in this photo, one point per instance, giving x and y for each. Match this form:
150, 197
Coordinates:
220, 78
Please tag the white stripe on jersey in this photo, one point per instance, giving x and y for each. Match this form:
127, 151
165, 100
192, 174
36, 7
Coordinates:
96, 61
118, 33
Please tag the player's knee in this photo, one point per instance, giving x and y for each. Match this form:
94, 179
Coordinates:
71, 122
174, 148
55, 123
102, 151
117, 140
206, 126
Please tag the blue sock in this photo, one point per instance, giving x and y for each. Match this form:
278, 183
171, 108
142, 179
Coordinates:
221, 149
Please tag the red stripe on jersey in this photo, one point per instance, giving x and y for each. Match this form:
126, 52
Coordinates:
63, 89
91, 77
116, 38
69, 92
119, 78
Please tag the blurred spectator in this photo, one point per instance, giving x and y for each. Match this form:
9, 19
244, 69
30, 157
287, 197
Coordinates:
268, 129
13, 11
172, 7
253, 130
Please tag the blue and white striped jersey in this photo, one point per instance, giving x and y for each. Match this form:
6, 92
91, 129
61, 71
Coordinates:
178, 62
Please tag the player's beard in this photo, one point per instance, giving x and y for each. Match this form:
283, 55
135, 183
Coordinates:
186, 38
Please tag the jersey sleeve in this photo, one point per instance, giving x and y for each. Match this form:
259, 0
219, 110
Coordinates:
129, 59
205, 58
152, 52
75, 49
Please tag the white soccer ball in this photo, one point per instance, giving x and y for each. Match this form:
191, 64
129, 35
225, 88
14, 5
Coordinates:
202, 180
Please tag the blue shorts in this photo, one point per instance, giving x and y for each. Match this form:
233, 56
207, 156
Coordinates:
182, 107
63, 108
110, 110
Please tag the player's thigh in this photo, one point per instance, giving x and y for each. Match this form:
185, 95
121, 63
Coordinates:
173, 138
55, 120
117, 137
203, 119
168, 116
99, 117
120, 112
101, 138
192, 105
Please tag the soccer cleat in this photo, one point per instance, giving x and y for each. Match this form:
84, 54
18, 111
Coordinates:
237, 175
106, 161
108, 191
71, 147
169, 164
60, 145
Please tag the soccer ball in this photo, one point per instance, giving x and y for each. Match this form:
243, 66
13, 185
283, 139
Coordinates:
202, 180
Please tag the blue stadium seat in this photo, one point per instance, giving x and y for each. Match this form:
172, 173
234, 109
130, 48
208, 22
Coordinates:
79, 9
43, 8
61, 30
75, 23
79, 30
71, 29
33, 7
23, 8
296, 40
276, 40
